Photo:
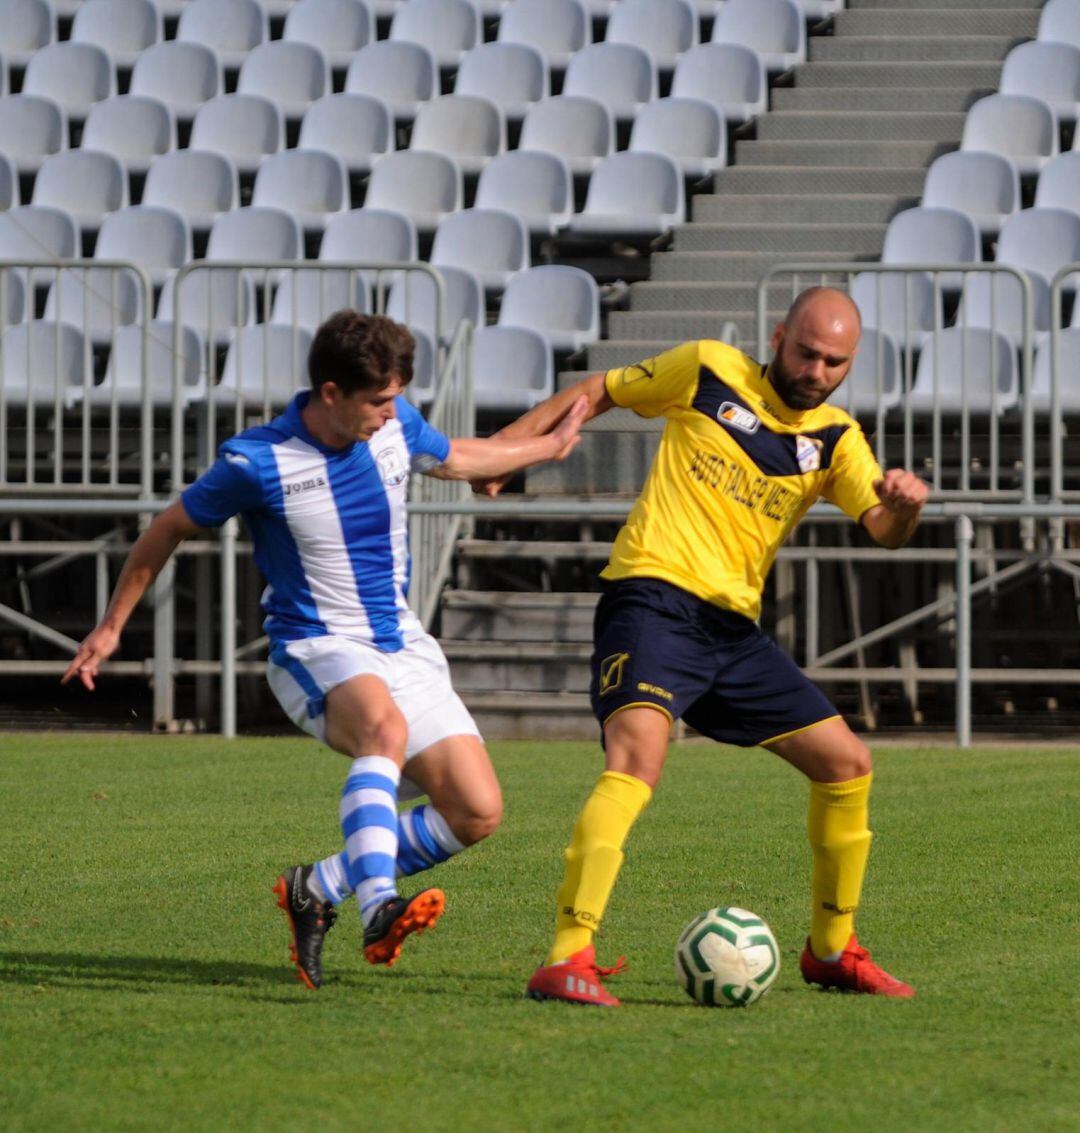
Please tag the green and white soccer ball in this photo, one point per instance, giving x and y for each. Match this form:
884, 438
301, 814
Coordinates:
727, 958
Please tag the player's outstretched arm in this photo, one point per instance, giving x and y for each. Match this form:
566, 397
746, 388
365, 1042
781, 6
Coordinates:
892, 523
475, 458
146, 558
541, 418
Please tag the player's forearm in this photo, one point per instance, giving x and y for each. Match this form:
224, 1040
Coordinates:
541, 418
150, 552
891, 529
480, 458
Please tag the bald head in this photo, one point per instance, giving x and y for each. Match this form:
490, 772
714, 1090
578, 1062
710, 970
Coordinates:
814, 347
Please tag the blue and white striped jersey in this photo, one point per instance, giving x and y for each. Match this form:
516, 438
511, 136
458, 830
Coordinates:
329, 525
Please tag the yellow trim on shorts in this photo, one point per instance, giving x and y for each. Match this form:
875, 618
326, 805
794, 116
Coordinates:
796, 731
638, 704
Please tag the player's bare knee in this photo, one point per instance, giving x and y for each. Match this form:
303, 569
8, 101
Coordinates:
474, 823
852, 761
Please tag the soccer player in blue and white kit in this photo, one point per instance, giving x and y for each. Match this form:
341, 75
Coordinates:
322, 489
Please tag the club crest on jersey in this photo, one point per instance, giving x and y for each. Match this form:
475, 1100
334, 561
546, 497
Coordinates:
738, 417
808, 453
391, 467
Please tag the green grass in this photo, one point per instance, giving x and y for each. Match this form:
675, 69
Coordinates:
144, 982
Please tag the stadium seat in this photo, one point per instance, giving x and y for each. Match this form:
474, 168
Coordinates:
413, 301
211, 300
632, 195
85, 184
535, 186
1050, 71
1059, 22
128, 368
688, 130
307, 297
1017, 126
1042, 241
619, 75
156, 239
311, 184
133, 128
996, 301
182, 75
902, 305
338, 28
1041, 396
9, 183
729, 75
122, 28
930, 236
27, 26
556, 28
37, 234
359, 128
31, 129
961, 369
512, 368
559, 301
96, 300
447, 28
231, 27
577, 128
1059, 183
468, 129
511, 75
403, 75
13, 305
293, 75
256, 235
664, 28
43, 361
873, 383
246, 128
775, 29
370, 235
73, 75
984, 185
423, 186
197, 184
265, 366
491, 243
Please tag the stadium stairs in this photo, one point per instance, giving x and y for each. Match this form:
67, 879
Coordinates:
843, 148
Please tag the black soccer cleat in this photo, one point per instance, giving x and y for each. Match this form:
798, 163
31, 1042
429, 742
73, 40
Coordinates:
309, 922
395, 919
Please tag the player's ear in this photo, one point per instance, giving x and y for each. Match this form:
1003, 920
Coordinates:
777, 337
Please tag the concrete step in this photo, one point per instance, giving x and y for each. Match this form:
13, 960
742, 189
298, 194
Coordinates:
906, 75
533, 716
508, 667
729, 267
609, 354
784, 239
481, 617
873, 155
719, 298
579, 550
680, 326
612, 458
935, 5
940, 100
806, 180
859, 125
969, 21
791, 209
911, 49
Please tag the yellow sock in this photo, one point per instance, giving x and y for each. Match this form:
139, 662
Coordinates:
593, 859
840, 840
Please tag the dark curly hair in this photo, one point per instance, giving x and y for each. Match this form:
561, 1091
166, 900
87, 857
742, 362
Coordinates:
360, 352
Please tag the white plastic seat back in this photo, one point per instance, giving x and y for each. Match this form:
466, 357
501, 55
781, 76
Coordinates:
42, 360
1068, 373
729, 75
664, 28
38, 234
265, 366
995, 300
1050, 71
339, 28
559, 301
961, 367
424, 186
580, 129
1060, 22
1040, 240
902, 305
1015, 125
212, 300
257, 234
775, 29
182, 75
308, 297
511, 75
128, 368
245, 127
633, 194
311, 184
984, 185
491, 243
1059, 183
413, 300
96, 300
469, 129
198, 184
556, 28
31, 129
535, 186
27, 26
133, 128
84, 183
123, 28
873, 383
621, 76
157, 239
13, 298
369, 235
930, 236
73, 75
447, 28
688, 130
403, 75
231, 27
10, 193
513, 368
359, 128
293, 75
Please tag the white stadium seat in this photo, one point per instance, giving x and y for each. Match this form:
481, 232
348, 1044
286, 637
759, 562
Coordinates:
729, 75
13, 299
468, 129
403, 75
535, 186
775, 29
182, 75
32, 128
85, 184
214, 302
246, 128
156, 239
1059, 183
311, 184
231, 27
96, 300
511, 75
933, 235
135, 129
688, 130
447, 28
560, 302
556, 28
513, 368
1060, 22
621, 76
43, 361
293, 75
369, 235
1017, 126
256, 235
123, 28
577, 128
27, 26
308, 296
38, 234
9, 183
198, 184
129, 368
1041, 396
339, 28
359, 128
664, 28
873, 383
489, 242
1050, 71
423, 186
984, 185
73, 75
966, 369
632, 195
414, 301
900, 304
265, 366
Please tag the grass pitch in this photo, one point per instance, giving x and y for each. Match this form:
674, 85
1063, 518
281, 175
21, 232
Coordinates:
144, 981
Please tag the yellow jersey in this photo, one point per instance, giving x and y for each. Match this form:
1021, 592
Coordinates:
735, 471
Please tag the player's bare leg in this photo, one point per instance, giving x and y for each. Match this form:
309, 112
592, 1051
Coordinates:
840, 771
635, 747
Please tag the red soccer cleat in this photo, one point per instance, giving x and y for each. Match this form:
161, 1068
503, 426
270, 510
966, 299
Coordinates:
854, 971
577, 979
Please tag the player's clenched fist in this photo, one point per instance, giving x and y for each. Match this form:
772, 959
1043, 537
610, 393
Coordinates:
902, 491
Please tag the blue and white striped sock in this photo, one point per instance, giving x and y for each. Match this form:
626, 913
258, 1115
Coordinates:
370, 826
424, 840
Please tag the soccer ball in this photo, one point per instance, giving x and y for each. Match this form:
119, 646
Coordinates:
727, 958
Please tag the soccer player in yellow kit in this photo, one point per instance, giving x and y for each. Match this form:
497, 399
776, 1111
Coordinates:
745, 452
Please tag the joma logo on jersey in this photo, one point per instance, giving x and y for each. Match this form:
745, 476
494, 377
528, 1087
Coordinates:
738, 418
298, 486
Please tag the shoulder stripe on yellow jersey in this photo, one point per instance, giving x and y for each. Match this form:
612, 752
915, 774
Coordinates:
775, 454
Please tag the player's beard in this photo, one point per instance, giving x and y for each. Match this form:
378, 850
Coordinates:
793, 392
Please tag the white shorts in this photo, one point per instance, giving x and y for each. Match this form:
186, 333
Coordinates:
417, 676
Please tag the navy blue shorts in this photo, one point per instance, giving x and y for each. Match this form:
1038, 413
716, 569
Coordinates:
656, 644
